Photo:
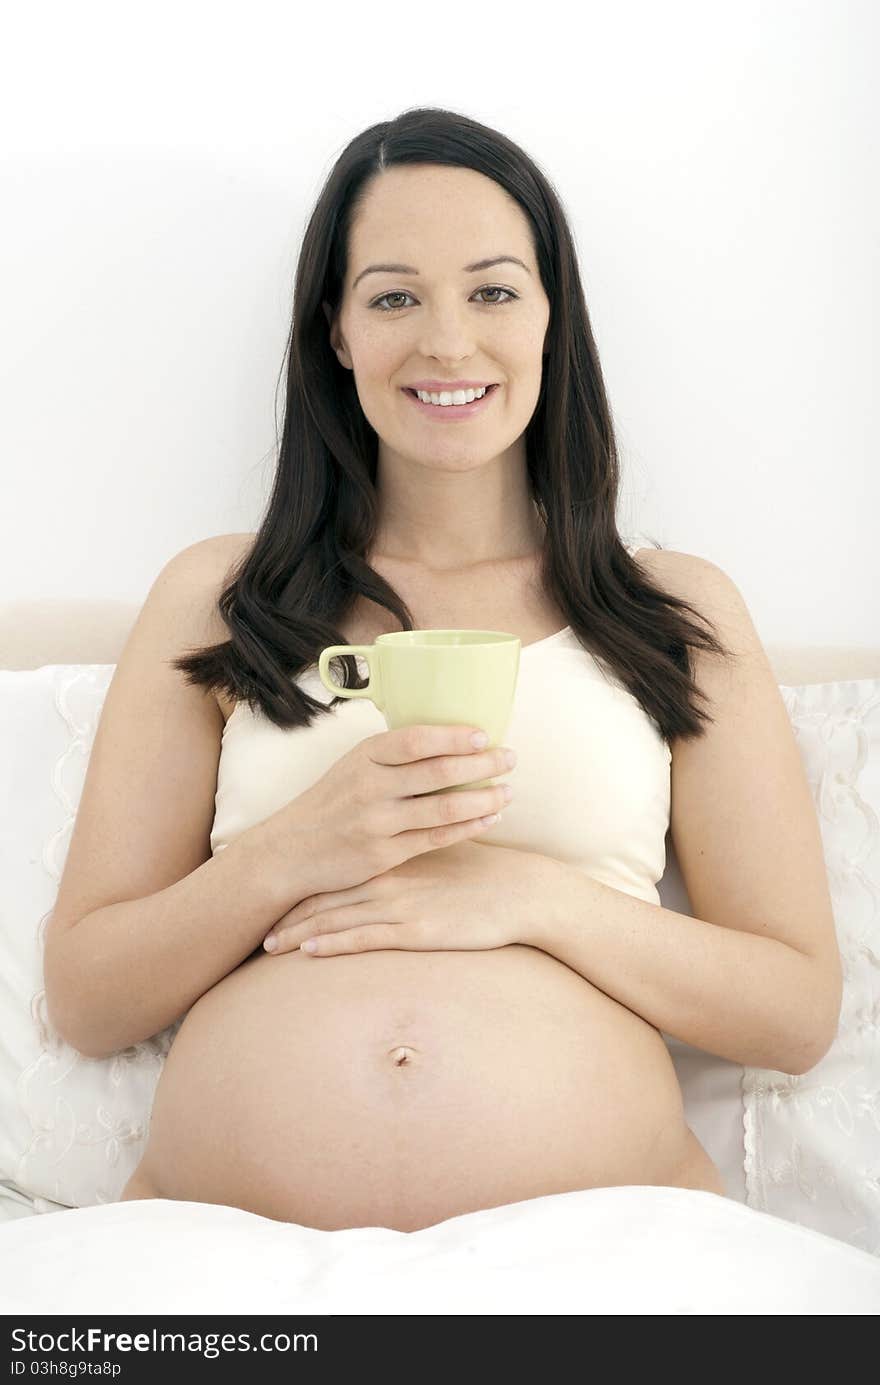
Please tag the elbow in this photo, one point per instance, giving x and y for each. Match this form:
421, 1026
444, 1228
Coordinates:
81, 1043
818, 1052
84, 1044
810, 1053
822, 1021
62, 1013
808, 1059
60, 1021
64, 1026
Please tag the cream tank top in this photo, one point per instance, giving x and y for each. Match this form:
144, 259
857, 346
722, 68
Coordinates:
592, 777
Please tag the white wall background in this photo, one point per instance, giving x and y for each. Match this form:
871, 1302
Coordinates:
718, 164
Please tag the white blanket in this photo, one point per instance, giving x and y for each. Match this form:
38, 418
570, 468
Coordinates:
632, 1250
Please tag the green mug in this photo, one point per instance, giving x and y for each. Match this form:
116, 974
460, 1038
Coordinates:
437, 678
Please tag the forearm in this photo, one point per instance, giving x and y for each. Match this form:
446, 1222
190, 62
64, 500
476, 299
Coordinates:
752, 1000
128, 970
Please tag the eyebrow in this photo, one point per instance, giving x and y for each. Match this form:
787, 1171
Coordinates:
467, 269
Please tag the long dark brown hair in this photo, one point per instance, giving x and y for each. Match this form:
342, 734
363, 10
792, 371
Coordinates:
302, 574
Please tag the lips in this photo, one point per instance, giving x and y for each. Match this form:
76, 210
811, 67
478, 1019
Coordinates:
451, 413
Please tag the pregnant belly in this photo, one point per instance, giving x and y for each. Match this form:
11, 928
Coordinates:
397, 1089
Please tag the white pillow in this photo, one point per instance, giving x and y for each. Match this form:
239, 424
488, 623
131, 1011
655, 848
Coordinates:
812, 1143
73, 1129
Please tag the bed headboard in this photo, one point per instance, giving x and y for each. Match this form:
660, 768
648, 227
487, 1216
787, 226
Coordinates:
70, 631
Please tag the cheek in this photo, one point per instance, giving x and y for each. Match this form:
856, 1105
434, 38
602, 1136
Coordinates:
372, 346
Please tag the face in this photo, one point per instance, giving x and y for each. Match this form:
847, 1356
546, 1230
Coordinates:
444, 322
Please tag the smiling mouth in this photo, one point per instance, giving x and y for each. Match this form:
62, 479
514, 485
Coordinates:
415, 395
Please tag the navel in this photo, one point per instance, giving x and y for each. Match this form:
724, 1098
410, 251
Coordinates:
402, 1056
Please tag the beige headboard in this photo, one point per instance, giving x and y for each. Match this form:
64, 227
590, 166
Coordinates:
59, 631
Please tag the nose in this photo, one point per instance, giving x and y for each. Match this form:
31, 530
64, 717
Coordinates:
447, 337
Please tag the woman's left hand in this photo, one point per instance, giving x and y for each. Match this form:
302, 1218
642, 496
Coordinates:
464, 897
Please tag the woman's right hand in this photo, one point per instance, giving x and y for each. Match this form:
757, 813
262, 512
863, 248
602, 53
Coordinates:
364, 816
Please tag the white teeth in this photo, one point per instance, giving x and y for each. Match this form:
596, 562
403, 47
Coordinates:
445, 397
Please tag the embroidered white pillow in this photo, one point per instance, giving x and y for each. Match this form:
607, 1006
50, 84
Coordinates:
72, 1129
812, 1142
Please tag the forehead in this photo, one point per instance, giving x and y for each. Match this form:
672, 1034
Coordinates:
445, 214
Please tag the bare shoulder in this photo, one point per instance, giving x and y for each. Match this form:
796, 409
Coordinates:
704, 585
231, 548
672, 565
239, 543
202, 570
217, 553
715, 597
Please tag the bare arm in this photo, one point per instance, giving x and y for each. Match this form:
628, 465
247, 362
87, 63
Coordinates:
753, 1000
146, 919
126, 971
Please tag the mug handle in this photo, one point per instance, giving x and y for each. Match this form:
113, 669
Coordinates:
331, 652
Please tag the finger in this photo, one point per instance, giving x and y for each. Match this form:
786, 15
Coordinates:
408, 744
289, 937
369, 937
321, 904
308, 908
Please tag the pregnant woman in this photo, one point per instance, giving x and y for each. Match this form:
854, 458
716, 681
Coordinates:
481, 1018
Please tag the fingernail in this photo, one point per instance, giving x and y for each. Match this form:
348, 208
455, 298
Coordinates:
308, 946
270, 943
